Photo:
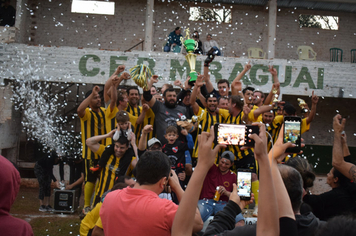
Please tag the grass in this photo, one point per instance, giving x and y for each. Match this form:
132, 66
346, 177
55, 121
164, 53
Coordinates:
55, 226
26, 207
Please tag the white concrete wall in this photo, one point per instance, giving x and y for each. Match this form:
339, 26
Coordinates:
68, 64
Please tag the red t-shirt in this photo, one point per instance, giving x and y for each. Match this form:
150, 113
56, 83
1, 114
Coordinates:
137, 212
213, 179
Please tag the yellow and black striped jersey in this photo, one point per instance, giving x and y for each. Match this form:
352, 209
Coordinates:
92, 124
110, 171
206, 120
136, 112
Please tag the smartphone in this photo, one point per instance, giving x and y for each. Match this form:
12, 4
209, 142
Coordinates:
244, 183
292, 132
232, 134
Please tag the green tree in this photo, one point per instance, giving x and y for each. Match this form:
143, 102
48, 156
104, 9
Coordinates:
309, 21
220, 15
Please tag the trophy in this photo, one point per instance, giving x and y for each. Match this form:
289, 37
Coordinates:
275, 95
303, 105
190, 46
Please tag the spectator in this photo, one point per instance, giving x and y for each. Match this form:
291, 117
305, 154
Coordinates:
44, 173
339, 225
340, 200
91, 219
221, 179
199, 49
267, 222
141, 204
210, 43
9, 187
174, 42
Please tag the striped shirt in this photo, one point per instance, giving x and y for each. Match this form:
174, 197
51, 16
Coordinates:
92, 124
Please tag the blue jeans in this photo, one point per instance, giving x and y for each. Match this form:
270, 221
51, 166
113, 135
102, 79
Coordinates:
208, 207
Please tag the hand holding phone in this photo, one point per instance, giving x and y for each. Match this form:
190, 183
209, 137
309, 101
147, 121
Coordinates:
292, 133
244, 183
233, 134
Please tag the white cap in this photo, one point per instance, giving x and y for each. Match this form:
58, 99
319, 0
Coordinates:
152, 141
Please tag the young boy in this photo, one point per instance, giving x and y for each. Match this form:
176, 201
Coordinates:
176, 151
124, 128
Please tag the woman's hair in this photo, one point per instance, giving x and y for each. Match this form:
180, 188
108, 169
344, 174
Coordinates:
343, 181
305, 170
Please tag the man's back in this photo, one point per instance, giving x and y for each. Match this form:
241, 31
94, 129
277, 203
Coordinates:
137, 212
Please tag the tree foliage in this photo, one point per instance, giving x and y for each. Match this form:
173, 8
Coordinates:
221, 15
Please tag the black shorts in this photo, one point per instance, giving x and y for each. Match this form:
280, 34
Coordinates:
89, 175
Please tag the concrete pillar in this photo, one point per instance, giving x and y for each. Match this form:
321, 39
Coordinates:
272, 22
149, 25
19, 14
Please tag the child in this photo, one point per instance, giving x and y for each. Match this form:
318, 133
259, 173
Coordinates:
124, 128
176, 151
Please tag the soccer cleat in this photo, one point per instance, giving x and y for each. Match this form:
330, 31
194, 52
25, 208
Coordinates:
49, 208
86, 210
42, 208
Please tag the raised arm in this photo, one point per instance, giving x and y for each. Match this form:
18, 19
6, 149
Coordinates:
141, 117
147, 92
236, 85
261, 110
202, 98
183, 223
108, 84
115, 82
93, 142
209, 85
275, 86
312, 113
142, 143
268, 222
194, 94
278, 153
346, 168
85, 103
345, 148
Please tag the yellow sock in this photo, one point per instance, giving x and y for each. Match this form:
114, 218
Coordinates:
88, 192
255, 188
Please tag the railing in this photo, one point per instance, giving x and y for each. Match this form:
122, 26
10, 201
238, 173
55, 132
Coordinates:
128, 50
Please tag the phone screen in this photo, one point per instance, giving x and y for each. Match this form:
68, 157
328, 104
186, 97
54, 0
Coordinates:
244, 183
230, 134
291, 131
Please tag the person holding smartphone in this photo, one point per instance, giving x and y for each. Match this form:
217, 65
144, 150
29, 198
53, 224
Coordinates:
217, 187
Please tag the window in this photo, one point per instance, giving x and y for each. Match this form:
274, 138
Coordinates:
220, 15
93, 7
320, 22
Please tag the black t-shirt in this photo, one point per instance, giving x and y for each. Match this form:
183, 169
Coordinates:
176, 154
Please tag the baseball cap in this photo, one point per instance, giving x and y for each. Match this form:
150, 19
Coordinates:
152, 141
228, 155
